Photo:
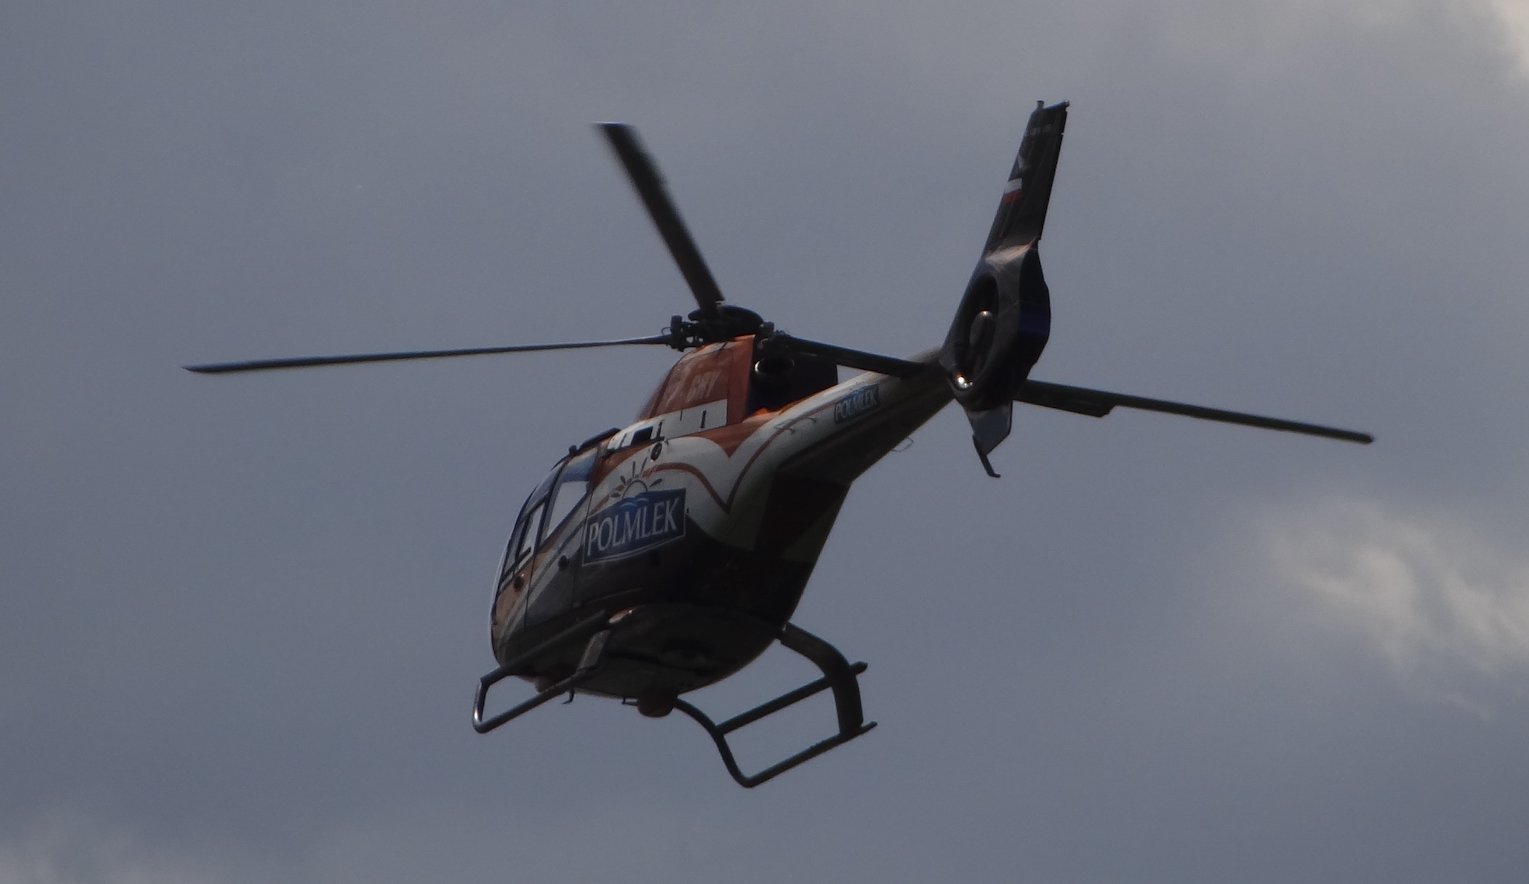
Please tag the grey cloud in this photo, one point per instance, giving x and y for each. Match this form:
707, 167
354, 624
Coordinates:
1426, 591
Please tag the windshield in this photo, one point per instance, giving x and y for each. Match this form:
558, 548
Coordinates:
556, 497
523, 540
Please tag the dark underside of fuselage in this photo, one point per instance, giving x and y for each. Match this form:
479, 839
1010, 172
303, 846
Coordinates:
697, 611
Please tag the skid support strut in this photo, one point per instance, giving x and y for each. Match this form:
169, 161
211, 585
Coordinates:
594, 630
838, 675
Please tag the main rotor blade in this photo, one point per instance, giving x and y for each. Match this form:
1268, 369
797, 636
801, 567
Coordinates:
1098, 403
650, 186
888, 365
312, 361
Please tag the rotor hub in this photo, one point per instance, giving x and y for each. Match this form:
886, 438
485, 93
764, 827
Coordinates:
723, 322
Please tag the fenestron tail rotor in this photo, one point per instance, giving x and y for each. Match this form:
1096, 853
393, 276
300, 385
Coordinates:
1004, 320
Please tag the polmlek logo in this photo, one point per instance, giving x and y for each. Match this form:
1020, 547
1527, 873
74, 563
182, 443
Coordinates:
858, 402
635, 524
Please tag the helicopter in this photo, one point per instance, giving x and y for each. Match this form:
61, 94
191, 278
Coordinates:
664, 556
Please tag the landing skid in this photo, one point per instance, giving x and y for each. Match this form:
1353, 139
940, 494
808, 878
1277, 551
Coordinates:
838, 675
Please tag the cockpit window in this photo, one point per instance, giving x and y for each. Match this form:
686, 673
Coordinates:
528, 534
557, 496
572, 485
523, 540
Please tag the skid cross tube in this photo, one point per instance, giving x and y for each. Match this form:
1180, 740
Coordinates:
838, 675
594, 655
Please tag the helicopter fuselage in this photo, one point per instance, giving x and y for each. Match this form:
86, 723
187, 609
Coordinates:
699, 525
663, 557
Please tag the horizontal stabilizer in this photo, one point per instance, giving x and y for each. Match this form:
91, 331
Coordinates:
1098, 403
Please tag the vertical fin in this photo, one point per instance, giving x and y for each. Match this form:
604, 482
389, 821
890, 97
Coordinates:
1022, 212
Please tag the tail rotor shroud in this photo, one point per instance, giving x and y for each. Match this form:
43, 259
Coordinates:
1004, 319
